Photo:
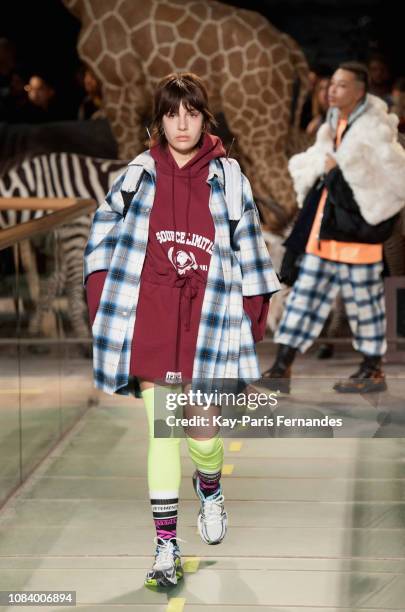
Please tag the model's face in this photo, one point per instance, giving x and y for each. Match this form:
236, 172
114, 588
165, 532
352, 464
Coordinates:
344, 90
183, 129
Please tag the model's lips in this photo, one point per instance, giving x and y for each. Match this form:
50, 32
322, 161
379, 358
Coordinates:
182, 138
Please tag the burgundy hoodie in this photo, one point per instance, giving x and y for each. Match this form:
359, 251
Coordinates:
180, 242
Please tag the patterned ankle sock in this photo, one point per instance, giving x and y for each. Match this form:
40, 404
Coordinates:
209, 483
165, 517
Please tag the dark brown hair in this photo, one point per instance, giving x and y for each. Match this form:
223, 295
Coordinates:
359, 70
179, 87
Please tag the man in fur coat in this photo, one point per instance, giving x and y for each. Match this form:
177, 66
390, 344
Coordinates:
350, 186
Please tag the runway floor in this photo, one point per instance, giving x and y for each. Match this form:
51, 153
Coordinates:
315, 525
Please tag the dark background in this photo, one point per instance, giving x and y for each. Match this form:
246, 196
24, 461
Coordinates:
329, 31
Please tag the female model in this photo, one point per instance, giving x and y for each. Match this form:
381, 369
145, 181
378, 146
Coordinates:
158, 248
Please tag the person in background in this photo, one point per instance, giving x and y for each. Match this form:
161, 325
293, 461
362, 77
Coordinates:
351, 185
380, 78
398, 103
44, 104
91, 105
16, 107
310, 108
320, 105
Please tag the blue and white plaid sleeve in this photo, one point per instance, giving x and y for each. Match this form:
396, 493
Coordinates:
258, 275
104, 231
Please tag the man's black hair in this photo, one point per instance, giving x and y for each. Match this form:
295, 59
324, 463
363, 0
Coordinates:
359, 70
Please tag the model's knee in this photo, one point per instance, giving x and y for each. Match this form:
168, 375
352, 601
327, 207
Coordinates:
205, 448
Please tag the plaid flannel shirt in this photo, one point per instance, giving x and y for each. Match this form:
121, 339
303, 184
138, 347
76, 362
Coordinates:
117, 243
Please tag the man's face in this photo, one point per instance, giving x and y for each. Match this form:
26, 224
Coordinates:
39, 92
345, 91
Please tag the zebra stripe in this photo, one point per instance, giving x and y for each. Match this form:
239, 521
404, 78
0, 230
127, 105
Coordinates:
58, 175
55, 173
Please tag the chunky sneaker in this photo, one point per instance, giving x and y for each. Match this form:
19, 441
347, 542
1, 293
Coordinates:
167, 569
212, 519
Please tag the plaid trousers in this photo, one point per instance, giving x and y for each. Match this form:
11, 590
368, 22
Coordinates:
312, 295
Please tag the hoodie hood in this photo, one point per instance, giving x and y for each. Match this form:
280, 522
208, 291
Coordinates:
211, 148
195, 168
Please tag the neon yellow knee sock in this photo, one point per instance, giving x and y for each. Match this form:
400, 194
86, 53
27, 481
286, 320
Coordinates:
164, 468
208, 455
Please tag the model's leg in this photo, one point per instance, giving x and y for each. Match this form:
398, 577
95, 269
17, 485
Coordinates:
206, 450
308, 304
164, 473
363, 294
208, 457
306, 311
205, 447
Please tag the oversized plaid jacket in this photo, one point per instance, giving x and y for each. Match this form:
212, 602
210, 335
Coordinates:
117, 242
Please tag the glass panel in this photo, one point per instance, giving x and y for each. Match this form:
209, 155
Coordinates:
76, 383
40, 351
46, 379
9, 376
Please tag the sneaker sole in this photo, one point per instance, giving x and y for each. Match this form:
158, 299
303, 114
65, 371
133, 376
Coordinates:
161, 580
372, 389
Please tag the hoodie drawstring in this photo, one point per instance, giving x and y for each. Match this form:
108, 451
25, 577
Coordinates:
187, 283
173, 207
188, 204
189, 289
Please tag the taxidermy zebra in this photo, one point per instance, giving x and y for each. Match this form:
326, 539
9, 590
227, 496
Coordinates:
59, 175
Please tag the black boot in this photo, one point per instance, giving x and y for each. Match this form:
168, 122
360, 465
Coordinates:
367, 379
278, 377
325, 351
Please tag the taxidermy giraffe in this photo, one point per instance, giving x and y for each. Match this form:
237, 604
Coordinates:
249, 67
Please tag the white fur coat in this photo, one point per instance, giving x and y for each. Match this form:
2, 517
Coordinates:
370, 158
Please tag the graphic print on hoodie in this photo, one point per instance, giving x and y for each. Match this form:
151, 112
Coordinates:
181, 229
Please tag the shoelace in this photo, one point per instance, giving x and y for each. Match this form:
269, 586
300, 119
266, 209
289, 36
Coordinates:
164, 549
212, 508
